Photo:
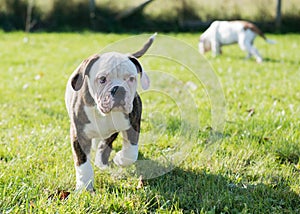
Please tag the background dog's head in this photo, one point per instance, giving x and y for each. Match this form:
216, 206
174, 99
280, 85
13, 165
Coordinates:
111, 79
204, 45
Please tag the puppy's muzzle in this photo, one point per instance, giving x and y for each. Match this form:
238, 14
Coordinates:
118, 93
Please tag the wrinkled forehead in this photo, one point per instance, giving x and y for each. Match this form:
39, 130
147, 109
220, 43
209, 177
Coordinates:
113, 63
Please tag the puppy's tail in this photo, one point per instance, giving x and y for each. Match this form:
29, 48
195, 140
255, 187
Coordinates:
272, 42
146, 46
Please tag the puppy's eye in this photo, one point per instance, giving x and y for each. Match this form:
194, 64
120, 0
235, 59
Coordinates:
102, 79
131, 79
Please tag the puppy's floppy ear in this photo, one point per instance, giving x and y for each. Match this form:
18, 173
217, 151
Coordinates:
77, 81
83, 69
144, 79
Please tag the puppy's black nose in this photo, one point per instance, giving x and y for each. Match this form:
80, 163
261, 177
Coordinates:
118, 92
114, 90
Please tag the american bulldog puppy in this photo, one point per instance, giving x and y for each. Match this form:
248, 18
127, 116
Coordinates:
102, 101
222, 33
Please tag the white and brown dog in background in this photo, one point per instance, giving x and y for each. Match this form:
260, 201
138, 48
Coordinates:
222, 33
102, 100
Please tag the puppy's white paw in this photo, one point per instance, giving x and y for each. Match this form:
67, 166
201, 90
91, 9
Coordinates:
126, 157
100, 165
84, 176
120, 160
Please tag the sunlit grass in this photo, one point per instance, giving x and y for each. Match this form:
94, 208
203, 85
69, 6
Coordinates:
254, 167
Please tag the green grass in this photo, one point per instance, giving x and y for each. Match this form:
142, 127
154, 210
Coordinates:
253, 168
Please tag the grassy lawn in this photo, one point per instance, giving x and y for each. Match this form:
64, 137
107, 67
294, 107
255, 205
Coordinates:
253, 168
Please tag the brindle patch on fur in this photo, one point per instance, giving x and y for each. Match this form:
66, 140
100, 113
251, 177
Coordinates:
135, 121
251, 26
79, 117
106, 148
79, 155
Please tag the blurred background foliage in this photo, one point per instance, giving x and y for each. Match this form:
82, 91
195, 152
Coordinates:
143, 15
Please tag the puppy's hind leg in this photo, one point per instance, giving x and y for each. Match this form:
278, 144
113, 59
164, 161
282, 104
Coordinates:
256, 54
251, 50
246, 44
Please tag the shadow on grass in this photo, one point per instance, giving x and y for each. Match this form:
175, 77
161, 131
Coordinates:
266, 59
194, 190
292, 62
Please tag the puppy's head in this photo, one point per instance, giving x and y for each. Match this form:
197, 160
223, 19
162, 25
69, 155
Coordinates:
204, 45
112, 80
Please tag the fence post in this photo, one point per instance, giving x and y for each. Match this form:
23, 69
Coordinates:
278, 16
92, 8
28, 16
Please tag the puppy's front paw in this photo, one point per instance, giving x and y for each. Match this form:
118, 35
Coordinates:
100, 165
126, 157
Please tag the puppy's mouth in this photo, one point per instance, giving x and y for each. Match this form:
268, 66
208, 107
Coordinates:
107, 107
104, 104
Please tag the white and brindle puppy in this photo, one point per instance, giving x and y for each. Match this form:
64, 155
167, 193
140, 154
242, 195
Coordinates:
222, 33
102, 100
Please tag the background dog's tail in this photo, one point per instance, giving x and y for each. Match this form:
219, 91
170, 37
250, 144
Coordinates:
146, 46
270, 41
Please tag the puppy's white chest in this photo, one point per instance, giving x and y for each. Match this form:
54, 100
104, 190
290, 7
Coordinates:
104, 126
